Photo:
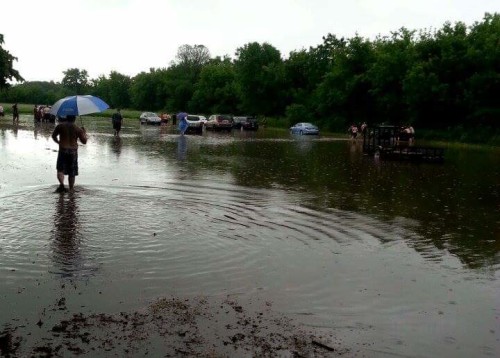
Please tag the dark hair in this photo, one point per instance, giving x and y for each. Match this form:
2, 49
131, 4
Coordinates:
70, 118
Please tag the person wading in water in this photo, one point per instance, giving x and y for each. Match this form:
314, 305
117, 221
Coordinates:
117, 120
66, 134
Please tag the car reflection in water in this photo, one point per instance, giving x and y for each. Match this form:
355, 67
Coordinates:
304, 128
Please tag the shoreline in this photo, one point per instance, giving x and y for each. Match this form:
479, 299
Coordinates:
169, 326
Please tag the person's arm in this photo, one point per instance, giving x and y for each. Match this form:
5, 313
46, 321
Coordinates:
55, 133
82, 135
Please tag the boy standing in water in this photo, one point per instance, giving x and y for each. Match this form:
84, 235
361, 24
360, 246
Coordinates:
15, 114
117, 120
67, 158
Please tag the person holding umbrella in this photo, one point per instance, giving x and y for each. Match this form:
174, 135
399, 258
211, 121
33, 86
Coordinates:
67, 134
183, 123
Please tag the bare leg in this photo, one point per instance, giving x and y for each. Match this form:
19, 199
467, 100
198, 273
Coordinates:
60, 178
71, 181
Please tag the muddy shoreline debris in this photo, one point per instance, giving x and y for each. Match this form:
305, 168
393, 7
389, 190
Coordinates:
172, 326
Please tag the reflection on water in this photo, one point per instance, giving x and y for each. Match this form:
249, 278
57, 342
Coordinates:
44, 129
376, 251
67, 238
116, 145
15, 128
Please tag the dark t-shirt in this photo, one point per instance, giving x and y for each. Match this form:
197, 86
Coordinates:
117, 117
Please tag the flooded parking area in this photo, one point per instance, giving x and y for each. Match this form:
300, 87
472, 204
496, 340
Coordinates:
380, 258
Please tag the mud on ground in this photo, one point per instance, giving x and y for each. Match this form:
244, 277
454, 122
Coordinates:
169, 327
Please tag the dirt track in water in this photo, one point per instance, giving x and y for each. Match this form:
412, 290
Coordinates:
196, 327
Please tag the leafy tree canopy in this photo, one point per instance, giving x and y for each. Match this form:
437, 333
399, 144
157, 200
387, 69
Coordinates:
7, 71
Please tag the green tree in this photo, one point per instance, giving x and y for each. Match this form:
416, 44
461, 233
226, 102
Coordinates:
37, 92
7, 71
75, 80
147, 90
260, 75
119, 87
483, 85
193, 56
100, 87
394, 57
216, 92
344, 95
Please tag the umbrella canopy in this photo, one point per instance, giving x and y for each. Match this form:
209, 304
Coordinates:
78, 106
181, 115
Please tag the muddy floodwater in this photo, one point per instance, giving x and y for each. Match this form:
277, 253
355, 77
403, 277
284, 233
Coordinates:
385, 258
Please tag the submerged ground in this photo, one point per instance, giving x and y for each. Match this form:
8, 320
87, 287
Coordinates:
245, 244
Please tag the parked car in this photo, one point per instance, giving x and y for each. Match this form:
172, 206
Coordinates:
245, 122
150, 118
304, 128
219, 122
195, 123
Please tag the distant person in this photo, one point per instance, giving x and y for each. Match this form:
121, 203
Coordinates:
364, 126
15, 114
117, 120
40, 113
411, 134
67, 134
1, 111
36, 117
165, 117
46, 114
353, 129
183, 123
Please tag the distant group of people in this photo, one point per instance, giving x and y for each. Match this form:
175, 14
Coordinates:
354, 130
407, 133
41, 113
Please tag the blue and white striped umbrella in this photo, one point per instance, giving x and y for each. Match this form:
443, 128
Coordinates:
78, 106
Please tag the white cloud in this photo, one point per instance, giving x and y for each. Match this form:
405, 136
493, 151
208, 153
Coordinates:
130, 36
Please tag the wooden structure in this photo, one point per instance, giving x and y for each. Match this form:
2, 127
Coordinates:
386, 142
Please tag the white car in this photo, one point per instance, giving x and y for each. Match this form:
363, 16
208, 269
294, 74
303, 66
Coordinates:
195, 123
150, 118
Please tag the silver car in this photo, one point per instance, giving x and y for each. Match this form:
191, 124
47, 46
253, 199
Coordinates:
150, 118
304, 128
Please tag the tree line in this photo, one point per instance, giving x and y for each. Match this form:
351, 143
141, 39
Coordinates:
435, 79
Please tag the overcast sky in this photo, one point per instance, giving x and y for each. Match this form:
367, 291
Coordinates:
132, 36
